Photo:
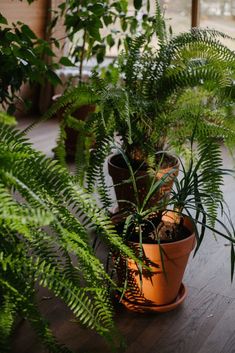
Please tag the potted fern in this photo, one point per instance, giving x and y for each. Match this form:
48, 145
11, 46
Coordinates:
160, 96
153, 101
164, 235
44, 243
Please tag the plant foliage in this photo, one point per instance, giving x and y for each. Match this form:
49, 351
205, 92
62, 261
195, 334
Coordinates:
190, 77
142, 222
93, 28
22, 56
45, 220
155, 101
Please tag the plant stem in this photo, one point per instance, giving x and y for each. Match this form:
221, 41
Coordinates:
82, 56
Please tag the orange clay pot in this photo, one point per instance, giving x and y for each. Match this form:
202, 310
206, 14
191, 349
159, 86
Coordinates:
124, 191
161, 286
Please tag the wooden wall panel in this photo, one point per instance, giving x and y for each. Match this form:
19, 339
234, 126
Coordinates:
34, 15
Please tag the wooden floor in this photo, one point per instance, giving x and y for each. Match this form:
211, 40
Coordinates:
205, 323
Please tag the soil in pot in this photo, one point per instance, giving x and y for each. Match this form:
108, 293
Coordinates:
120, 174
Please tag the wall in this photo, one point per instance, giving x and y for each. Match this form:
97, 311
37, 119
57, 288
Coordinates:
34, 15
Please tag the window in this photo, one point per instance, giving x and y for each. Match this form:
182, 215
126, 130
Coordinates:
219, 15
178, 14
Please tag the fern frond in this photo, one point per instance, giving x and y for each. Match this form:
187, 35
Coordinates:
50, 196
7, 316
103, 190
160, 25
212, 176
6, 119
97, 158
69, 101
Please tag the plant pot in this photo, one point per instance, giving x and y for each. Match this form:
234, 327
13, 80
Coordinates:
72, 135
119, 172
162, 288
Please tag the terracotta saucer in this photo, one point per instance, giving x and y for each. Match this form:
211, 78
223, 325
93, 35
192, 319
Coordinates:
143, 308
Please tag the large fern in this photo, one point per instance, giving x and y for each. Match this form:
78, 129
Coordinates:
189, 78
36, 192
160, 94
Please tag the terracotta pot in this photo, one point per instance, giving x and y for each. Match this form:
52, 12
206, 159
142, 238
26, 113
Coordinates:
81, 113
124, 191
162, 285
72, 135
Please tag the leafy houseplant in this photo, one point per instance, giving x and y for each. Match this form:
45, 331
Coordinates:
91, 27
21, 60
164, 235
43, 242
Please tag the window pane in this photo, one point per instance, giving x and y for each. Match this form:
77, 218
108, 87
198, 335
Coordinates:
219, 15
178, 13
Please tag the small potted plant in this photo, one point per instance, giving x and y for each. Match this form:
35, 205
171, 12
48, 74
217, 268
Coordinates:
153, 103
153, 108
164, 235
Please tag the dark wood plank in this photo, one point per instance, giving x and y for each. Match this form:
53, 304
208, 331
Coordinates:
222, 338
160, 325
189, 333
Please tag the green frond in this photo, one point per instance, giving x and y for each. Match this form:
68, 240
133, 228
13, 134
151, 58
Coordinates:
60, 149
97, 157
104, 190
82, 155
212, 180
7, 316
129, 62
6, 119
31, 252
160, 25
67, 103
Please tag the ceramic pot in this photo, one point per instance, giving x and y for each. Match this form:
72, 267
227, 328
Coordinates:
72, 135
